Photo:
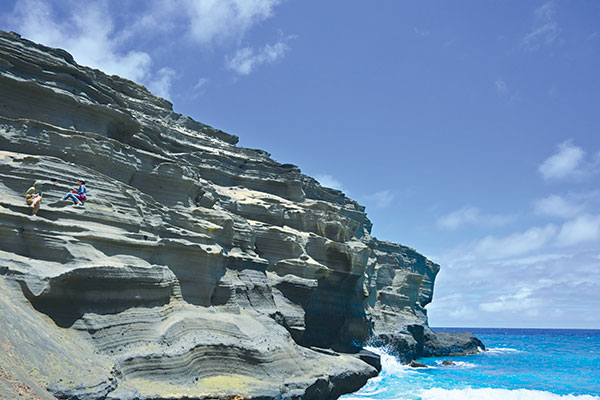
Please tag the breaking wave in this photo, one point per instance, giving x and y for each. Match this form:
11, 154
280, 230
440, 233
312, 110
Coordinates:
501, 350
497, 394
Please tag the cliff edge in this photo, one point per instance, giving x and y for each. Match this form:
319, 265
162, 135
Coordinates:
197, 269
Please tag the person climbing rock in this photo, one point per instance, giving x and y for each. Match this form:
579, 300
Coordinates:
78, 196
33, 196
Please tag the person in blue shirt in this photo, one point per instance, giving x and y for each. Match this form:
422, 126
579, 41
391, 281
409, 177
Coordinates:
78, 196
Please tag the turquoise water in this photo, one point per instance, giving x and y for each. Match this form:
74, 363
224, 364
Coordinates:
520, 364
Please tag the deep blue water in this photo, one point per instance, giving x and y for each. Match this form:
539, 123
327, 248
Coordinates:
520, 364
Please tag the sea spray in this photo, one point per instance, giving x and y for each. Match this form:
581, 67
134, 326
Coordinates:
520, 364
497, 394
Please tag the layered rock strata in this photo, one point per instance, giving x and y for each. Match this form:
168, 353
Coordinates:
196, 269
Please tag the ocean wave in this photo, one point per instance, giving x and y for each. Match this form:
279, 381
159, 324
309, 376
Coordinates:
501, 350
390, 364
457, 364
497, 394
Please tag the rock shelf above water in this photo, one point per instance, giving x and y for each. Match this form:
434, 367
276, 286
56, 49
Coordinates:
197, 268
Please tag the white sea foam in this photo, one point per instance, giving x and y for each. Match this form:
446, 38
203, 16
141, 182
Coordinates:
501, 350
497, 394
457, 364
389, 364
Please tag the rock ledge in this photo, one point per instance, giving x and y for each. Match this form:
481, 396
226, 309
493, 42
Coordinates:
197, 269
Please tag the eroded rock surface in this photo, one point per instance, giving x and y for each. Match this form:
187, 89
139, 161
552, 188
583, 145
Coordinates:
197, 269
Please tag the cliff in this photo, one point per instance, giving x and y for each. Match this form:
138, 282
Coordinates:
196, 269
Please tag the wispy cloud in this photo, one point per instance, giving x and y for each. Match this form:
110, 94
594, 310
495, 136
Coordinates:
421, 32
472, 216
527, 277
558, 206
566, 162
545, 30
245, 60
381, 199
584, 228
199, 88
213, 21
515, 244
88, 34
501, 87
161, 83
503, 90
201, 84
208, 23
522, 300
522, 286
327, 180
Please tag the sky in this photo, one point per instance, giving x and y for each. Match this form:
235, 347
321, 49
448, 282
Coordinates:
469, 129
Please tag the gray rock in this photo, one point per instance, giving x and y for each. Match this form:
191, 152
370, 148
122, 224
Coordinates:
416, 364
196, 269
448, 363
370, 358
451, 344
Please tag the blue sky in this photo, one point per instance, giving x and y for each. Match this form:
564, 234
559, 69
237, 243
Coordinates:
469, 129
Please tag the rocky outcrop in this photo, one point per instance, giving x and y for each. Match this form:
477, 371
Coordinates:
451, 344
196, 269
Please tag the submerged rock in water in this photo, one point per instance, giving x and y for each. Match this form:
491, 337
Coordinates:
197, 268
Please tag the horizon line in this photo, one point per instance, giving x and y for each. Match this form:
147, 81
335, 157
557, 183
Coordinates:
500, 327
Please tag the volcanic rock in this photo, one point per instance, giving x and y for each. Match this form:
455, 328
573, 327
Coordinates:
196, 269
416, 364
451, 344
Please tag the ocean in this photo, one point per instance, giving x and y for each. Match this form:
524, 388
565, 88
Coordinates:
520, 364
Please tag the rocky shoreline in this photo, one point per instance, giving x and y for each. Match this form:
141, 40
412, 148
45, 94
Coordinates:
197, 269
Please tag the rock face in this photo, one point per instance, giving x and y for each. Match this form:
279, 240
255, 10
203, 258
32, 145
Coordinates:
196, 269
451, 344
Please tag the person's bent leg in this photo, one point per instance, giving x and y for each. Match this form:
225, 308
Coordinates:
72, 197
36, 205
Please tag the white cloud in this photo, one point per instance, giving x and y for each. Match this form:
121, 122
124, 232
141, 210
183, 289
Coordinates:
161, 84
450, 300
519, 301
557, 206
204, 22
381, 199
247, 59
584, 228
201, 85
329, 181
518, 291
515, 244
532, 260
472, 216
212, 21
501, 87
88, 34
421, 32
461, 312
545, 29
520, 279
566, 162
